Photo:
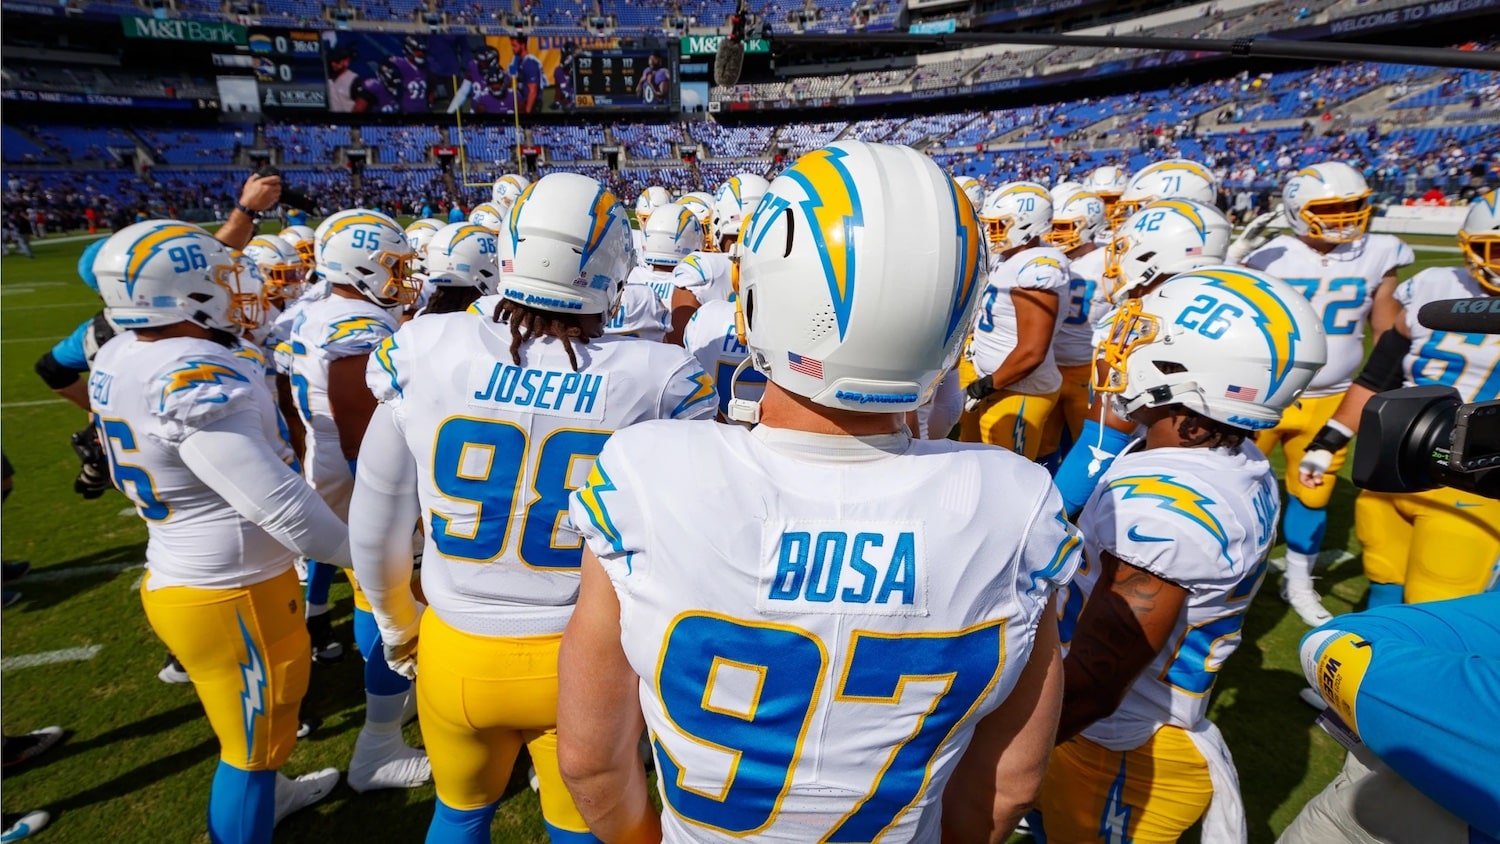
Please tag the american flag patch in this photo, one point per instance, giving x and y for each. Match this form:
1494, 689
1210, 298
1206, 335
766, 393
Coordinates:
507, 265
1193, 250
810, 367
1242, 393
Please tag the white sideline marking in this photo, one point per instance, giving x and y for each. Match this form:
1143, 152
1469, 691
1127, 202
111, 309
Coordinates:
49, 575
83, 654
93, 304
35, 403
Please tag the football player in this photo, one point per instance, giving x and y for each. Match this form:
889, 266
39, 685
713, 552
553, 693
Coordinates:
669, 236
784, 659
1077, 220
1008, 371
1175, 178
1107, 183
1175, 538
506, 190
475, 407
366, 259
190, 431
463, 264
1347, 273
971, 188
489, 215
705, 275
1166, 237
1442, 543
650, 199
301, 239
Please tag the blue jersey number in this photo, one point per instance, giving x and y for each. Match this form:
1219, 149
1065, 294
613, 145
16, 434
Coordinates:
130, 479
1346, 298
1444, 357
766, 732
1080, 294
1194, 667
987, 315
479, 462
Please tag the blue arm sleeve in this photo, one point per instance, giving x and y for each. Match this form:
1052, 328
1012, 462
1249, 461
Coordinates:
1422, 684
69, 350
1095, 450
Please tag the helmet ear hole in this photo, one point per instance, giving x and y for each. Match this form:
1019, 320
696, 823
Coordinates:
1167, 367
749, 309
791, 231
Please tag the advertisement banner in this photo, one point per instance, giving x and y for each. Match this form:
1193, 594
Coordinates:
107, 100
707, 45
168, 29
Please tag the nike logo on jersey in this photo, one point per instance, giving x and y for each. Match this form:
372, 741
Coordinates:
1135, 535
553, 392
874, 568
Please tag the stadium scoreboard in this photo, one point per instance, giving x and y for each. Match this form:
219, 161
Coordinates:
288, 66
623, 78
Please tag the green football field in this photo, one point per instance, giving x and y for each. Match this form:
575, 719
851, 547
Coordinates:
139, 757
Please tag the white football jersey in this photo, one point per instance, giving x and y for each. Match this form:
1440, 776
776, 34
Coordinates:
1037, 268
818, 632
711, 337
1204, 520
1341, 287
498, 448
638, 243
640, 314
706, 275
1085, 301
659, 283
148, 398
1469, 363
326, 330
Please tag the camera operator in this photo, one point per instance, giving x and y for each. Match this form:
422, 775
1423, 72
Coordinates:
1437, 543
1411, 693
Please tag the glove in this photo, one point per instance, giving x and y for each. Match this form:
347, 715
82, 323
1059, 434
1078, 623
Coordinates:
982, 388
1252, 237
402, 658
93, 475
1314, 466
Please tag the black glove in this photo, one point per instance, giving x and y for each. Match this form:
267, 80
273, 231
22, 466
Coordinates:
93, 475
982, 388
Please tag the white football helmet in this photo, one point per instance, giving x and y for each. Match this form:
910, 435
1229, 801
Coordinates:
1234, 344
1076, 221
651, 198
702, 206
1479, 238
367, 251
329, 221
1175, 178
1016, 213
302, 239
734, 201
858, 276
279, 265
972, 188
506, 190
1166, 237
1328, 202
464, 255
1108, 182
162, 272
668, 237
1062, 191
489, 215
570, 241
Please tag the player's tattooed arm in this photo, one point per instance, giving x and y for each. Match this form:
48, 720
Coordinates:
1126, 622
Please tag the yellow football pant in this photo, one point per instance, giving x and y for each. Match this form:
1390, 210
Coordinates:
479, 698
1440, 544
1152, 793
248, 654
1071, 409
1299, 424
1007, 419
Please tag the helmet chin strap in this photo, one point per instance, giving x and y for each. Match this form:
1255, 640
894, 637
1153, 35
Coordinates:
743, 411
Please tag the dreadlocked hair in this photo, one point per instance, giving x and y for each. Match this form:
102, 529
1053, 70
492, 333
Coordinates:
451, 300
528, 323
1199, 431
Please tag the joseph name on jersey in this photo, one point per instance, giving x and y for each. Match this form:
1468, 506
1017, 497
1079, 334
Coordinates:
711, 336
1469, 363
1081, 305
499, 447
148, 398
1341, 286
1204, 520
1038, 268
326, 330
706, 275
788, 617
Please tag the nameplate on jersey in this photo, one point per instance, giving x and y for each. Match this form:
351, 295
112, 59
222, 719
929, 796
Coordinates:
843, 568
552, 392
